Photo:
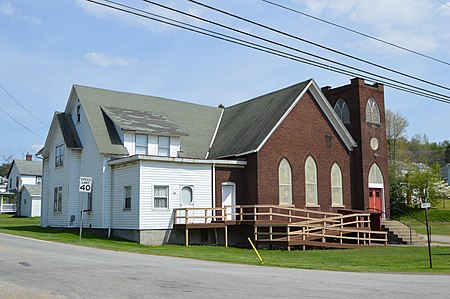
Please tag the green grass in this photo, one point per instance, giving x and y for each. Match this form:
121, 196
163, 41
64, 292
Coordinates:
380, 259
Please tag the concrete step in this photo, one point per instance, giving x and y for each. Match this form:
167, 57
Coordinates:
400, 233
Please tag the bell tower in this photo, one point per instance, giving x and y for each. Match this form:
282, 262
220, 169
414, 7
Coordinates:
361, 108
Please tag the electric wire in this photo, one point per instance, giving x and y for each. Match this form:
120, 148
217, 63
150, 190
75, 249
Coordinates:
442, 96
234, 40
312, 43
357, 32
23, 107
20, 124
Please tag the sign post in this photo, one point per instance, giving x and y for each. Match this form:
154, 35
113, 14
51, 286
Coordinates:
85, 187
426, 206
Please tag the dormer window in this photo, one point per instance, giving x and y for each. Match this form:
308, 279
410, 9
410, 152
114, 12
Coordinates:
372, 112
141, 144
163, 146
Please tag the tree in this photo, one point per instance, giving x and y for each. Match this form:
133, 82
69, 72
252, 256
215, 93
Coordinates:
395, 128
421, 184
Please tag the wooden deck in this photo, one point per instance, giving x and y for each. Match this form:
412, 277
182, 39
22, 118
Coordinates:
285, 227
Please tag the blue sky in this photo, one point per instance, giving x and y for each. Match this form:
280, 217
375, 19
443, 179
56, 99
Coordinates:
48, 45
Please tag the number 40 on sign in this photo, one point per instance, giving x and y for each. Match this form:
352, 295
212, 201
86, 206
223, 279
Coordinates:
85, 184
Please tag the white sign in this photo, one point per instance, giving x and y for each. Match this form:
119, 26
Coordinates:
425, 205
85, 184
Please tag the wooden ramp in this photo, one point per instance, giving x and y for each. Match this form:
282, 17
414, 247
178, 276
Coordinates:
284, 227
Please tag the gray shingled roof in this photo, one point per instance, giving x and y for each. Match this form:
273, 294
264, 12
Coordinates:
69, 132
142, 121
29, 167
244, 126
34, 190
198, 122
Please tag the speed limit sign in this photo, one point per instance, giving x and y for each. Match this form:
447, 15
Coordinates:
85, 184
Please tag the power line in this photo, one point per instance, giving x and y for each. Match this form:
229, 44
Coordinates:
19, 123
23, 107
358, 32
311, 43
210, 33
444, 3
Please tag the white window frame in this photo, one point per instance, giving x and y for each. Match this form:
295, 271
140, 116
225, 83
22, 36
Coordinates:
155, 197
59, 155
143, 147
57, 199
372, 112
127, 198
78, 113
285, 184
337, 195
160, 147
311, 191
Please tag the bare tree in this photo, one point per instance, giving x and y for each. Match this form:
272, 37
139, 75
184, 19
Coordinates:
395, 129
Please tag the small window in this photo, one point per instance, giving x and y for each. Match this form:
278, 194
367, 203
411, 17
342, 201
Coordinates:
57, 200
89, 201
186, 196
163, 146
336, 186
38, 180
285, 183
341, 109
59, 155
127, 200
161, 197
372, 112
78, 113
141, 144
311, 182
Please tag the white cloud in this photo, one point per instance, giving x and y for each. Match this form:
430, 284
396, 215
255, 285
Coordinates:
105, 60
15, 13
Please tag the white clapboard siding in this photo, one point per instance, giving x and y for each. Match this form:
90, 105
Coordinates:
153, 145
27, 180
174, 146
128, 142
45, 197
121, 177
174, 175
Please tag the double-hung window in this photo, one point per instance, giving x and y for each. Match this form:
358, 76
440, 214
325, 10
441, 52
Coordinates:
57, 200
59, 155
127, 201
161, 197
141, 144
164, 146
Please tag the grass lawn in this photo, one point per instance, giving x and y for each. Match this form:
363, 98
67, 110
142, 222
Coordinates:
380, 259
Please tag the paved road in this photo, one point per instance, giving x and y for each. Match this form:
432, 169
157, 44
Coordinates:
37, 269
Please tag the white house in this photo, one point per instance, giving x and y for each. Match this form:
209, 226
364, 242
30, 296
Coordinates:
134, 150
30, 198
23, 173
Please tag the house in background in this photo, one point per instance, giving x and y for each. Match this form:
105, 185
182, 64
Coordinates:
297, 147
20, 174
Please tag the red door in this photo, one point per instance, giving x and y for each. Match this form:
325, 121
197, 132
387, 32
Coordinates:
375, 200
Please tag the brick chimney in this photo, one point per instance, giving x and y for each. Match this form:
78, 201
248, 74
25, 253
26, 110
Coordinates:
29, 157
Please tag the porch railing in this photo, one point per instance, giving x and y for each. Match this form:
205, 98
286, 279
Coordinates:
8, 208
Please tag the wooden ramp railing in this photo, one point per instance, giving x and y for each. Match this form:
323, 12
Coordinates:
284, 226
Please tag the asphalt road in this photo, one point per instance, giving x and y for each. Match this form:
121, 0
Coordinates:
38, 269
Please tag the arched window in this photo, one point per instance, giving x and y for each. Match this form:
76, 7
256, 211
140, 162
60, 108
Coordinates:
186, 196
372, 112
337, 198
375, 175
341, 108
285, 183
311, 182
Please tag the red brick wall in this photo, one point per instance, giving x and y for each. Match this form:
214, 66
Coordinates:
356, 95
303, 132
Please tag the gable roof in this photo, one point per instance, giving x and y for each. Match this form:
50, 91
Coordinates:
27, 167
197, 122
34, 190
245, 127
